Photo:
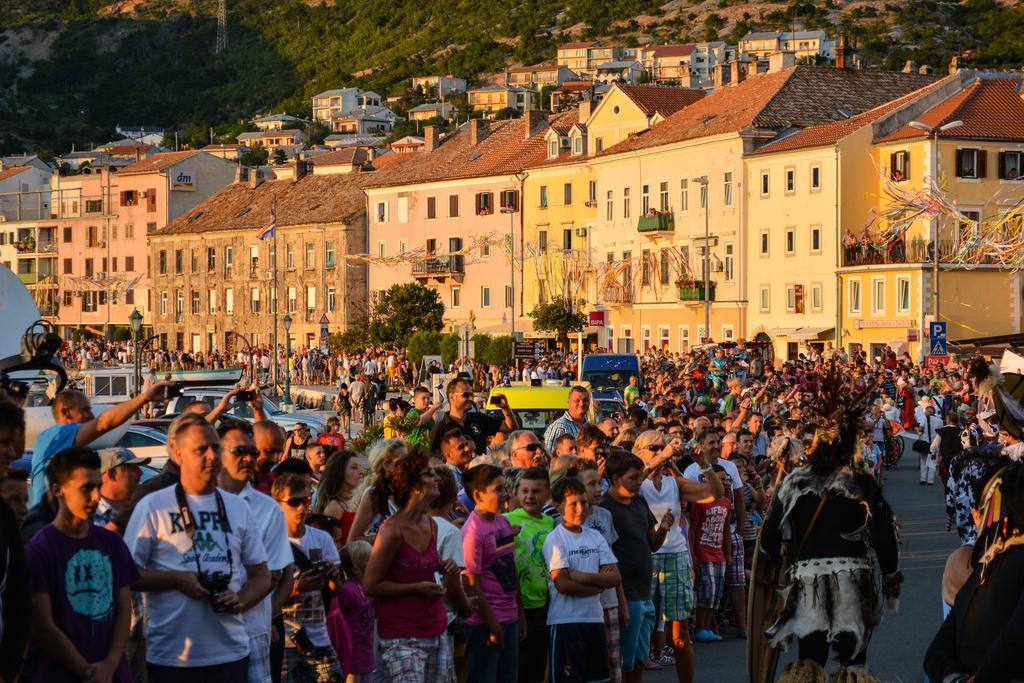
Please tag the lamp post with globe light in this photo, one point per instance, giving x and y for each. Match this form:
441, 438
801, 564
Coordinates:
135, 318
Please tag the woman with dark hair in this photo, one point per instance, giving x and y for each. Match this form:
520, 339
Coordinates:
980, 639
335, 495
407, 578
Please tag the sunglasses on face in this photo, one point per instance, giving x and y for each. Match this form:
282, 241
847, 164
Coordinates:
531, 447
466, 394
297, 501
251, 451
654, 447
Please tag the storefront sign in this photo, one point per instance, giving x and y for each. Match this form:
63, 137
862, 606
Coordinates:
595, 319
871, 324
183, 182
798, 298
936, 362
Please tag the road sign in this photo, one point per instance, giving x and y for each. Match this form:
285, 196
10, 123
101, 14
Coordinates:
527, 350
913, 334
936, 362
937, 339
324, 320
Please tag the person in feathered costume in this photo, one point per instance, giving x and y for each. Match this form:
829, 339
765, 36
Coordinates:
828, 517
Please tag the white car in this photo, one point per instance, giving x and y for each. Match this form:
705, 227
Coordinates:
212, 397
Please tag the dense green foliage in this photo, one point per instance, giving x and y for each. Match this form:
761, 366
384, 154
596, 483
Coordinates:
403, 310
157, 66
424, 344
556, 316
355, 340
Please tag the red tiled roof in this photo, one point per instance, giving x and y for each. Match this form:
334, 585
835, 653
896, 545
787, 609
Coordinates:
672, 50
990, 108
157, 162
830, 133
798, 96
661, 99
535, 67
124, 150
222, 147
349, 156
11, 172
504, 151
574, 86
577, 46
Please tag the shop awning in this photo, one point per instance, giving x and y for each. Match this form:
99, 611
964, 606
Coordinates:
813, 334
782, 331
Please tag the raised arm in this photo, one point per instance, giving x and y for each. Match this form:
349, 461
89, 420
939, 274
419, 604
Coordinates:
116, 416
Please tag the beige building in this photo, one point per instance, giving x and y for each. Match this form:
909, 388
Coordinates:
583, 58
214, 279
803, 44
494, 98
539, 75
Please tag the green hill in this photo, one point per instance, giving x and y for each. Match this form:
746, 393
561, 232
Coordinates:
70, 70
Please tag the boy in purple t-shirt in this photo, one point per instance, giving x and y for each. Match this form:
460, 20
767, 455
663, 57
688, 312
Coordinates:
80, 578
488, 544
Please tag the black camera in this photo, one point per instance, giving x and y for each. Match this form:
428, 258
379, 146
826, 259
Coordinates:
215, 583
172, 390
243, 396
321, 567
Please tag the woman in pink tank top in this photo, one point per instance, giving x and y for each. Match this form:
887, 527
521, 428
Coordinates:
408, 580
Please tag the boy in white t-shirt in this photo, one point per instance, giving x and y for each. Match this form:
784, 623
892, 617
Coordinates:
581, 567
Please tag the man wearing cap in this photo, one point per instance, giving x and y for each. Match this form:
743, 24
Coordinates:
122, 473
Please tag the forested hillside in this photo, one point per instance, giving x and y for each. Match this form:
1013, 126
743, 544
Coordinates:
72, 69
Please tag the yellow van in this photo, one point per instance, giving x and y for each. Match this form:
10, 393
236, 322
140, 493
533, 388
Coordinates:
536, 406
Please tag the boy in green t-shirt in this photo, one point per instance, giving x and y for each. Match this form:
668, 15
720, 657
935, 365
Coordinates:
532, 491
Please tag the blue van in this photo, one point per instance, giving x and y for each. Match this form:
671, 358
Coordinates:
609, 373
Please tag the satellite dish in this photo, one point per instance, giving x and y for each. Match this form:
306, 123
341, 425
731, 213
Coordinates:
32, 342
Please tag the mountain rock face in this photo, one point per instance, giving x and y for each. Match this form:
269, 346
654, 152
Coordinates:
70, 70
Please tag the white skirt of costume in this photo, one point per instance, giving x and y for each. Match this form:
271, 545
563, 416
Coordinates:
831, 595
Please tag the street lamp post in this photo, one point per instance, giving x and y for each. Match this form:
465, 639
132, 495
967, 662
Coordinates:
286, 404
135, 318
702, 181
933, 133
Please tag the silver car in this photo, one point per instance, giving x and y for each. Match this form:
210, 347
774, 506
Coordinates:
212, 397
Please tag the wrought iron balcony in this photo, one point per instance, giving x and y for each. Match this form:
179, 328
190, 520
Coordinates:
617, 294
440, 267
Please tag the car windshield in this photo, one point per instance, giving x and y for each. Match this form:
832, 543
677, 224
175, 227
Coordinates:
607, 380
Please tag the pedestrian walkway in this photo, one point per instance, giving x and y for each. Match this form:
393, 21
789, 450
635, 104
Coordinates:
897, 649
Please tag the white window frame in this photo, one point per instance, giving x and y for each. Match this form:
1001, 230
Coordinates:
789, 180
727, 187
790, 243
765, 185
765, 299
729, 263
764, 245
684, 338
817, 292
851, 285
877, 310
815, 231
790, 298
456, 297
903, 282
728, 332
382, 249
332, 299
684, 195
815, 182
380, 213
664, 337
403, 209
485, 296
229, 301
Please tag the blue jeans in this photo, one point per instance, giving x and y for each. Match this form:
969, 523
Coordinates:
486, 663
635, 640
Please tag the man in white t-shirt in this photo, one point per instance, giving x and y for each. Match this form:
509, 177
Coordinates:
308, 654
202, 564
580, 567
238, 455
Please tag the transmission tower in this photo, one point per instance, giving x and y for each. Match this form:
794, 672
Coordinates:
222, 26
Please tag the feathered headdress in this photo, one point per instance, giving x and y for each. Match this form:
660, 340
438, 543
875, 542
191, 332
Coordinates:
839, 404
994, 530
1004, 386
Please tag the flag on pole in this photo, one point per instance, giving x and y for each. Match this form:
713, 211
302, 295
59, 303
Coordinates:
270, 229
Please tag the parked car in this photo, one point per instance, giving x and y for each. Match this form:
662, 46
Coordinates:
212, 397
142, 441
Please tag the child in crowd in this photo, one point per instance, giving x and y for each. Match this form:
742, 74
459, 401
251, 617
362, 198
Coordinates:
582, 566
711, 545
613, 600
449, 547
532, 491
358, 611
488, 544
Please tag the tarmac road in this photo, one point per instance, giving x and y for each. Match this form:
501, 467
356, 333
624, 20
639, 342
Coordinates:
898, 646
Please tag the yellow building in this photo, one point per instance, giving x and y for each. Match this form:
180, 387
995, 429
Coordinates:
661, 191
494, 98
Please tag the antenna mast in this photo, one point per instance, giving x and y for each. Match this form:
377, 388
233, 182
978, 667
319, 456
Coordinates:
222, 27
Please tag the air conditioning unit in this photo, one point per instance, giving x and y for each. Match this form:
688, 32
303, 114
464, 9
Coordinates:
270, 275
142, 194
717, 267
581, 232
101, 276
101, 244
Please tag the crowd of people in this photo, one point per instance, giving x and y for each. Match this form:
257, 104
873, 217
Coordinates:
466, 548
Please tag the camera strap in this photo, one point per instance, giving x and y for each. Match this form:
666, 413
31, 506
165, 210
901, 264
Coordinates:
189, 522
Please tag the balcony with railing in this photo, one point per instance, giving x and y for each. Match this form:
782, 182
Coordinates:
617, 294
440, 267
656, 223
694, 291
918, 250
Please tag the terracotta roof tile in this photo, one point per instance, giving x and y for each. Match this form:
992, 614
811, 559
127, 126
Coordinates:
672, 50
797, 96
577, 46
11, 172
990, 108
349, 156
157, 162
661, 99
535, 67
122, 150
333, 198
505, 150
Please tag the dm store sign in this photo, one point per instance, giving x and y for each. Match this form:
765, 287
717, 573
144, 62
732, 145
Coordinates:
183, 182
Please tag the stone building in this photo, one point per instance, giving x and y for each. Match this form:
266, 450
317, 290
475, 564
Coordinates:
214, 279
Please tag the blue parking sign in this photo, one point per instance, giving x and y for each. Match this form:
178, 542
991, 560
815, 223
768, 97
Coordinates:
937, 338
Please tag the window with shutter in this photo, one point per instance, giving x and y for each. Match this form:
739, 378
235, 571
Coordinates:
899, 166
1009, 165
151, 200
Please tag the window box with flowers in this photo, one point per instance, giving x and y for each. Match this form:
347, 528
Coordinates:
656, 221
693, 290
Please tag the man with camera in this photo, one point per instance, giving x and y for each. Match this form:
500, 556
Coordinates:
202, 562
77, 425
308, 654
476, 425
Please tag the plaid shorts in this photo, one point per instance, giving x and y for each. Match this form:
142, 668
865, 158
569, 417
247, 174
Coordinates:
611, 633
710, 584
673, 580
417, 660
259, 659
735, 574
319, 667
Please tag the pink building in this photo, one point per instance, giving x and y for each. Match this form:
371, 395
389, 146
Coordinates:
457, 211
102, 221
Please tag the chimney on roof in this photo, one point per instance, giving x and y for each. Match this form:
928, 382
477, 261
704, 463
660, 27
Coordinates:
255, 178
909, 67
718, 77
585, 110
736, 74
777, 61
302, 169
924, 70
531, 119
842, 52
429, 138
241, 174
478, 131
